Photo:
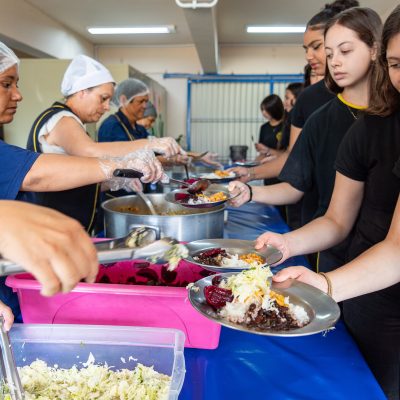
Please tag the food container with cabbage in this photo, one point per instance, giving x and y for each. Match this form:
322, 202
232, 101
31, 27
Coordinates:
84, 362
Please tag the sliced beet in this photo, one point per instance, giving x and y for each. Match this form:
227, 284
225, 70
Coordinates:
217, 297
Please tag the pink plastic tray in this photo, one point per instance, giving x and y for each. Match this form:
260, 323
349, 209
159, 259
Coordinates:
123, 304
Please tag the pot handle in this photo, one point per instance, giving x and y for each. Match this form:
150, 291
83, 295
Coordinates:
127, 173
156, 229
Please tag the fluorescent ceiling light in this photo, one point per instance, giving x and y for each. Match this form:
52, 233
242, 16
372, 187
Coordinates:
132, 30
276, 29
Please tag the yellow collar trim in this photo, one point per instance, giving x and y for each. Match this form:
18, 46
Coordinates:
340, 97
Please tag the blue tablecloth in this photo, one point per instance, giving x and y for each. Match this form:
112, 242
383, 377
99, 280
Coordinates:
248, 366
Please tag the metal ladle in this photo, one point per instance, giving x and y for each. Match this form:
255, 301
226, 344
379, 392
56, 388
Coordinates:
8, 366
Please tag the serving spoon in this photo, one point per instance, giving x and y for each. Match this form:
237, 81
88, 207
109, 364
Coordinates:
192, 188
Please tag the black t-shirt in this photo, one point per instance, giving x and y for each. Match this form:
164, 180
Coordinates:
270, 136
310, 166
310, 99
370, 153
396, 169
286, 131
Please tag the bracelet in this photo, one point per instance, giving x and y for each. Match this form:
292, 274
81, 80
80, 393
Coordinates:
328, 281
251, 192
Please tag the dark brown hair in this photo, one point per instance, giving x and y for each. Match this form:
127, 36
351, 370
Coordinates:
319, 20
385, 99
367, 24
273, 105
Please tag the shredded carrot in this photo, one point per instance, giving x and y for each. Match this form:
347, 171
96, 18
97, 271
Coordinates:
279, 298
252, 258
221, 173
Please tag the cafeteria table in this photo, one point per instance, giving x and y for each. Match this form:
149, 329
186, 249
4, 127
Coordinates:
326, 366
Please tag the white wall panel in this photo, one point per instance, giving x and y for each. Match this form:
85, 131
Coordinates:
228, 113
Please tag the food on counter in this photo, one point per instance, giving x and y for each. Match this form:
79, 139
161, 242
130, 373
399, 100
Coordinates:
246, 298
219, 174
221, 258
202, 198
92, 382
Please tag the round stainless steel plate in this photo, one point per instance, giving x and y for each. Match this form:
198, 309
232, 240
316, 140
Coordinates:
322, 309
216, 180
270, 254
247, 163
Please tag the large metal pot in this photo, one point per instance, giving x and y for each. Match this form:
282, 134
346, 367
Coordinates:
122, 214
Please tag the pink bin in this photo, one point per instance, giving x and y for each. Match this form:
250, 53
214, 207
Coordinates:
127, 301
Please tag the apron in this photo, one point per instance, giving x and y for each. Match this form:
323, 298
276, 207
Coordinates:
79, 203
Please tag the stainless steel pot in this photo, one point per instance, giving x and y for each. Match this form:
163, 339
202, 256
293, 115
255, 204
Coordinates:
122, 214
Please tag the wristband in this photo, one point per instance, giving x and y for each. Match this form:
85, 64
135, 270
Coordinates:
328, 281
251, 192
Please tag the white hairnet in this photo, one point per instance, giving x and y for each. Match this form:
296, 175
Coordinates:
150, 110
7, 58
83, 73
130, 88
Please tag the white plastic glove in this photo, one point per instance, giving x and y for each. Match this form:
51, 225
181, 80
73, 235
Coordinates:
167, 146
143, 161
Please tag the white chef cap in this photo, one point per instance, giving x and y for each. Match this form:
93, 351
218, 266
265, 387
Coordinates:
83, 73
130, 88
7, 58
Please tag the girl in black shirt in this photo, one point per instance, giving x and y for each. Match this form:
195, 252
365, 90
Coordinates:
309, 171
312, 97
365, 196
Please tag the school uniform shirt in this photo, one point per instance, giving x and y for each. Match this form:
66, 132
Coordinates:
309, 100
270, 136
310, 167
117, 128
16, 164
370, 153
284, 143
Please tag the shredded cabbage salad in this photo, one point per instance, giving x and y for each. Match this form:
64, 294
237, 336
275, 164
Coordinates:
42, 382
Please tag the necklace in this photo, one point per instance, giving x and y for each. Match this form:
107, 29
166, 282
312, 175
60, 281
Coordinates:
355, 116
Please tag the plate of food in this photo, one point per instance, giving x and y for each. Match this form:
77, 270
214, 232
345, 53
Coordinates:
230, 255
219, 176
213, 196
249, 301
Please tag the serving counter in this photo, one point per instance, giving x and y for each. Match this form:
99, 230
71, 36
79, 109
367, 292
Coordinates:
246, 366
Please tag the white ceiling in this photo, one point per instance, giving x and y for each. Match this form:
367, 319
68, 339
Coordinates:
224, 25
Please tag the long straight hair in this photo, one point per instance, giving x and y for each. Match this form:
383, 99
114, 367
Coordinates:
385, 99
367, 24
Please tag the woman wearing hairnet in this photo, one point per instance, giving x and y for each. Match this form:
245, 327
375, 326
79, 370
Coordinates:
37, 238
132, 98
88, 87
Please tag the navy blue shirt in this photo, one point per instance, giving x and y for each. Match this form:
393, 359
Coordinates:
117, 128
16, 164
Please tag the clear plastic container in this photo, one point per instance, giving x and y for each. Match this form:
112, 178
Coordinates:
120, 346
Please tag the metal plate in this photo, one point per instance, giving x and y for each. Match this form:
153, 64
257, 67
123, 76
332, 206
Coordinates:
233, 246
322, 310
247, 163
216, 180
181, 197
